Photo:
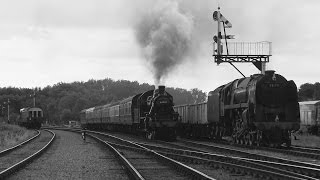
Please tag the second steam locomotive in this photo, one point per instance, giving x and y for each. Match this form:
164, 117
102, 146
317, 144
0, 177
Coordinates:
260, 109
150, 113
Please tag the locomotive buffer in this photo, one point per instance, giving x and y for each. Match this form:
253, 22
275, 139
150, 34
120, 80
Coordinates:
257, 53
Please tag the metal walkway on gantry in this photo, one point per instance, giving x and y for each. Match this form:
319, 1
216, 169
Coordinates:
257, 53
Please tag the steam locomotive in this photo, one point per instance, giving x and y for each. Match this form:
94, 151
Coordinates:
260, 109
30, 117
150, 113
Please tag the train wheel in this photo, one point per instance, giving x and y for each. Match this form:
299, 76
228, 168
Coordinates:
217, 133
288, 143
221, 133
242, 140
250, 140
234, 140
246, 139
237, 140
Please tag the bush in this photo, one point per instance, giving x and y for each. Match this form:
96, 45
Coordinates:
11, 135
313, 130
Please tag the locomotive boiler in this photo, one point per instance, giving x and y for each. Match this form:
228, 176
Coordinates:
150, 113
260, 109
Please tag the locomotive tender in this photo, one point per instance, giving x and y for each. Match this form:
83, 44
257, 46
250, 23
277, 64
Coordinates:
260, 109
150, 113
30, 117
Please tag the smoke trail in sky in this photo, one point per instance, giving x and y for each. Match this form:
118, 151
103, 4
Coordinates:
164, 34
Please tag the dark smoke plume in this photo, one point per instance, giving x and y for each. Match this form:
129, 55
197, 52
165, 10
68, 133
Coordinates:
164, 34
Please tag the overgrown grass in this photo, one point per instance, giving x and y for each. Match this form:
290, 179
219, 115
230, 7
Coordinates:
307, 141
11, 135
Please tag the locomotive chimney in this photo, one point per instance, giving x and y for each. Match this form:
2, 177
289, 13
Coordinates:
161, 89
269, 72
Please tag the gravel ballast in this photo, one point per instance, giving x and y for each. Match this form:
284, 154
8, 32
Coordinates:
70, 157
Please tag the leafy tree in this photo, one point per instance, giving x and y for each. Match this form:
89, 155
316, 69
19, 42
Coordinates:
63, 101
66, 116
308, 92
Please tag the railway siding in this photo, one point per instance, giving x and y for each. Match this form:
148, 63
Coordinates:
151, 164
18, 157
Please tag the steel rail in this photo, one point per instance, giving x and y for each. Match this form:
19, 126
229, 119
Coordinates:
129, 167
218, 163
253, 155
291, 151
5, 173
242, 163
306, 149
194, 173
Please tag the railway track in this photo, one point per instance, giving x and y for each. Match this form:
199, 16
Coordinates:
18, 156
307, 169
195, 158
309, 152
161, 165
307, 149
294, 150
195, 154
144, 163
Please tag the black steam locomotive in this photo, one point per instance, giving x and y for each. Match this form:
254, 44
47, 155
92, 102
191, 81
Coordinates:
260, 109
150, 113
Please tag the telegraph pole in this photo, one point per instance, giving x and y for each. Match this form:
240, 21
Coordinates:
8, 111
34, 98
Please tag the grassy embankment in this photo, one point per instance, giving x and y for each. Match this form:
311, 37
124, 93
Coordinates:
11, 135
307, 141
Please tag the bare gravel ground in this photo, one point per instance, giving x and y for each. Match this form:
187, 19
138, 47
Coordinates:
307, 141
70, 157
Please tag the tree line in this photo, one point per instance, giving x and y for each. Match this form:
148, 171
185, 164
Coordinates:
309, 92
64, 101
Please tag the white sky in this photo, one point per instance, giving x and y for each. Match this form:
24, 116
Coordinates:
43, 42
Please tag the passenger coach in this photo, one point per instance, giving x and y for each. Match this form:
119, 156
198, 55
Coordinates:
30, 117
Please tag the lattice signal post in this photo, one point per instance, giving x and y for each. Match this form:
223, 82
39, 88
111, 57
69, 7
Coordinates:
257, 53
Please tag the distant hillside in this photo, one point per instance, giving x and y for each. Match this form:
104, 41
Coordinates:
63, 101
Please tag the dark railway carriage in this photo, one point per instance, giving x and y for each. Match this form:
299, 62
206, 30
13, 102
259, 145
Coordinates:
30, 117
260, 109
150, 113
